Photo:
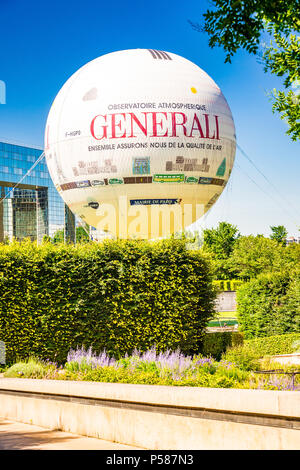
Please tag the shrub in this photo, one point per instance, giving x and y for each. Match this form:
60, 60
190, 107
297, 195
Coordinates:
228, 284
288, 312
269, 305
31, 368
215, 344
248, 356
277, 344
245, 358
115, 295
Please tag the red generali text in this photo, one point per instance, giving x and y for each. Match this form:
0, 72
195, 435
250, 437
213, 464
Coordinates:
155, 124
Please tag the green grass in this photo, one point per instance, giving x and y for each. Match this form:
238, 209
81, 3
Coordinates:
222, 322
226, 314
222, 318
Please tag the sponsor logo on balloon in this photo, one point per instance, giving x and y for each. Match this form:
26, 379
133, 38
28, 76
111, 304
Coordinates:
115, 181
168, 178
97, 183
222, 168
141, 165
155, 124
83, 184
191, 179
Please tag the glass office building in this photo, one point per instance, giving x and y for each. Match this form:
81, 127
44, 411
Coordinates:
34, 208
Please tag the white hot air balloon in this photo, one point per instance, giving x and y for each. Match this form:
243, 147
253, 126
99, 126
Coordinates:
140, 143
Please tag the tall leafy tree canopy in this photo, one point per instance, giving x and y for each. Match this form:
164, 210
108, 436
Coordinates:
220, 241
244, 24
279, 234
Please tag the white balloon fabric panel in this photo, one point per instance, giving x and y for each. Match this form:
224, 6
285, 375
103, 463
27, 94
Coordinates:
137, 137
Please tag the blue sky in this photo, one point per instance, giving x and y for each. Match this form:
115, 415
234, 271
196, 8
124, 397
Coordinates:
44, 43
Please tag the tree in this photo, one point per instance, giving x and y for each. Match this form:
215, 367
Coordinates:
252, 256
282, 57
81, 236
194, 239
220, 241
235, 25
58, 236
219, 244
279, 234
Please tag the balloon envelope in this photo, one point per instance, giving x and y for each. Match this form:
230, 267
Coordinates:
140, 143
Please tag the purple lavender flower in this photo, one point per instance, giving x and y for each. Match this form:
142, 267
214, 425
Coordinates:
278, 383
227, 364
86, 358
204, 361
169, 364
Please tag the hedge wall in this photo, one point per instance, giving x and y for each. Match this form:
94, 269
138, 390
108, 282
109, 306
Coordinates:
228, 284
215, 344
269, 305
115, 295
277, 344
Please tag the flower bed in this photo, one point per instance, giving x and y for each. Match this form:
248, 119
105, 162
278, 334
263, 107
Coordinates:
153, 368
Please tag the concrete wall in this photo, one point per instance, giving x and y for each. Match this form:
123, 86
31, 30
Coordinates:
226, 302
286, 359
158, 417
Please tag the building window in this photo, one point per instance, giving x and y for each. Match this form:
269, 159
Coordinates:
18, 171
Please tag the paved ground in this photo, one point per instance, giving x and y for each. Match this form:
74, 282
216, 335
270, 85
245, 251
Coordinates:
19, 436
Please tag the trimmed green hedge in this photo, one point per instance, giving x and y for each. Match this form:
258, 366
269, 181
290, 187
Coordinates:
269, 305
228, 285
248, 355
115, 295
273, 345
215, 344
